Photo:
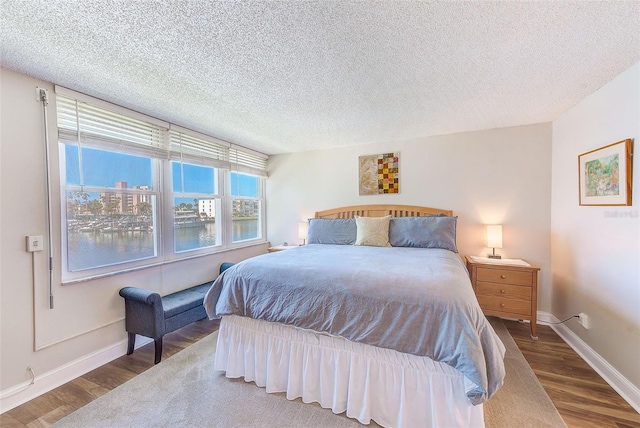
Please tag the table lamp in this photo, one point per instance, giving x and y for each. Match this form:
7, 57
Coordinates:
494, 239
303, 229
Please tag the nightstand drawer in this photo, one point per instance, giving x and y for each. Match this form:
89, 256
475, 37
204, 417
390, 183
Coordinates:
511, 306
507, 290
503, 290
504, 276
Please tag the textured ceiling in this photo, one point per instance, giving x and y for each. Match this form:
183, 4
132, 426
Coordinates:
293, 76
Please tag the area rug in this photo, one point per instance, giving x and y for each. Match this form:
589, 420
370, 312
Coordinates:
521, 402
183, 391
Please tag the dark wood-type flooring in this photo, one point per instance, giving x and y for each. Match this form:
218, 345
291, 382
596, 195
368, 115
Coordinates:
578, 392
582, 397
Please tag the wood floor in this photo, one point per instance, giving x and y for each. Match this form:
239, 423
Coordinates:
581, 396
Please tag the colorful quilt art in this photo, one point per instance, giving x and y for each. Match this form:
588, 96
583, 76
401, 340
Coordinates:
379, 174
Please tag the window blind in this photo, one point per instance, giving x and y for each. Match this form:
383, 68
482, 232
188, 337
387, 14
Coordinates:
89, 125
185, 148
93, 126
250, 162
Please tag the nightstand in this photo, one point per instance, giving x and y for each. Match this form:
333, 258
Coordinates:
280, 248
508, 291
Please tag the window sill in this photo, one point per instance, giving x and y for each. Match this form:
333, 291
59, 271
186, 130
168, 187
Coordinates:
164, 263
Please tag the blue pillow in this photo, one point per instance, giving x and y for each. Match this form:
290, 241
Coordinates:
339, 231
424, 232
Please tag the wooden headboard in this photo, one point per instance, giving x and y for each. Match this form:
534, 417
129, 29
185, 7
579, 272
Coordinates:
380, 211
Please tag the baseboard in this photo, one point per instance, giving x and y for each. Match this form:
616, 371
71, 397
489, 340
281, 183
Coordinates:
629, 392
26, 391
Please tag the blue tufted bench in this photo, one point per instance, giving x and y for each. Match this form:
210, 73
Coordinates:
148, 314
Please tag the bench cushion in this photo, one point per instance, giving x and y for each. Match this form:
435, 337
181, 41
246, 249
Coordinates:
181, 301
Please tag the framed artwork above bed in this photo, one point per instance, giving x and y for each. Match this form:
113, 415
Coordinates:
379, 174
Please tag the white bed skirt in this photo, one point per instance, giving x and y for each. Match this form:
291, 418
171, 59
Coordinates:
369, 383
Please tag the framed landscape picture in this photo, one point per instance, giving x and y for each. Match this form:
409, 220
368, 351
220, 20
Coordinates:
605, 175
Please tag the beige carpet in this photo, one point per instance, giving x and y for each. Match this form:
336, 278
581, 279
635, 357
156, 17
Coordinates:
183, 391
521, 402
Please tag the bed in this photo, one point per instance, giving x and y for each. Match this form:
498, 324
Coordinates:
375, 317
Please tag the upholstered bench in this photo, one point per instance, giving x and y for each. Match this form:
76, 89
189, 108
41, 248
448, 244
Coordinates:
148, 314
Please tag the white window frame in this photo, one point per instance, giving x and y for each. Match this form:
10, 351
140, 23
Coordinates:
218, 196
194, 148
260, 198
104, 269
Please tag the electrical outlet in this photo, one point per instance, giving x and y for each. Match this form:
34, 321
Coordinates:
34, 243
583, 319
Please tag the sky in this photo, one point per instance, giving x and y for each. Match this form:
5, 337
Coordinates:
103, 169
135, 170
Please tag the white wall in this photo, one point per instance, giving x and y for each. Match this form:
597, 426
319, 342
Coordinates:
496, 176
87, 319
596, 250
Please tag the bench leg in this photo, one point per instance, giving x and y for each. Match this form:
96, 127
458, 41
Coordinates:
131, 344
158, 350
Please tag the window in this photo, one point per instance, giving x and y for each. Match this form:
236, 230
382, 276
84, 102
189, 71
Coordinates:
110, 210
196, 207
247, 206
113, 166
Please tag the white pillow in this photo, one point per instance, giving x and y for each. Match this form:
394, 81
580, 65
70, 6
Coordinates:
372, 231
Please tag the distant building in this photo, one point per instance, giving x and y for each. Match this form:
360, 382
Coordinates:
246, 208
127, 201
241, 208
208, 207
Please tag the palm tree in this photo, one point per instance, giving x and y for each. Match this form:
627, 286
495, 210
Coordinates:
95, 207
111, 205
76, 201
144, 208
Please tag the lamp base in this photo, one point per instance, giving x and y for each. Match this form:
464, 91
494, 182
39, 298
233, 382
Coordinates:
494, 256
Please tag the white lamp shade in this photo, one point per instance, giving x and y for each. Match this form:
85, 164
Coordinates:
494, 236
303, 229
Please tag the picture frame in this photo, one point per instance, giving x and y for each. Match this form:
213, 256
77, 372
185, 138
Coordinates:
604, 176
379, 174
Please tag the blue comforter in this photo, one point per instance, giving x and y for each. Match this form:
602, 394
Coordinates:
413, 300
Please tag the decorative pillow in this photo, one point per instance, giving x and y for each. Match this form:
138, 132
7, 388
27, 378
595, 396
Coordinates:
339, 231
424, 232
373, 231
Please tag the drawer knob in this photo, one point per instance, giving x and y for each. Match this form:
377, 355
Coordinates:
503, 291
502, 305
503, 276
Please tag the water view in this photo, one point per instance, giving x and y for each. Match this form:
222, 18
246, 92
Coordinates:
112, 207
94, 247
